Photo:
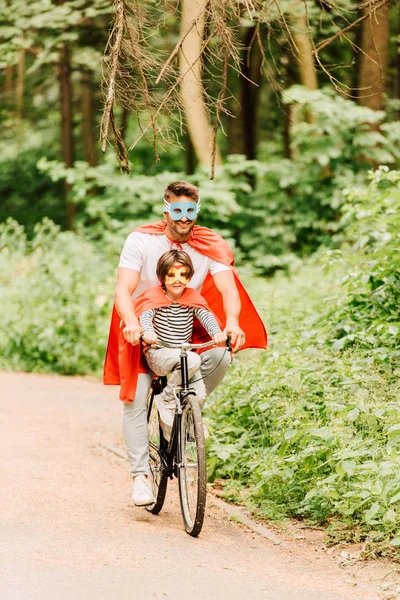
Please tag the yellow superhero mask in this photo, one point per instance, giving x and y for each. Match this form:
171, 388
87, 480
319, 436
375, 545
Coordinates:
177, 274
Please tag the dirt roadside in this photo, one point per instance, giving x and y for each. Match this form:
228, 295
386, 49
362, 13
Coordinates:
68, 529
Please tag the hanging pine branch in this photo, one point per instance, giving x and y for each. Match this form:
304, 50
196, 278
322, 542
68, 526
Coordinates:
141, 78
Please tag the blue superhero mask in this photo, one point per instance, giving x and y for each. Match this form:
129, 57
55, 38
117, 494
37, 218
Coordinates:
177, 210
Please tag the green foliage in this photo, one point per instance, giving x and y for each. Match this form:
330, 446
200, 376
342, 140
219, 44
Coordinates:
308, 433
370, 314
296, 204
27, 193
55, 295
309, 429
271, 211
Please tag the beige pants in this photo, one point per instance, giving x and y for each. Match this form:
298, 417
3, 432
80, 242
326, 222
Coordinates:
163, 361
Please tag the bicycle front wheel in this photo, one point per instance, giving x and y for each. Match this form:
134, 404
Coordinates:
192, 475
157, 446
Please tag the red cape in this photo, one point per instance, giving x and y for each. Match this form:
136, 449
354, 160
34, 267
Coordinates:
124, 361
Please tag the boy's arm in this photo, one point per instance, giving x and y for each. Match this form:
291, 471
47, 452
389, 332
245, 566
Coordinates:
208, 321
146, 320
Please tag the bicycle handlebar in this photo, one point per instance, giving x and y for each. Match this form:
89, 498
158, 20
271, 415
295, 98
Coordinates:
188, 346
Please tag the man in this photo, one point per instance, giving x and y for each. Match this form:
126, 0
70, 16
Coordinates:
213, 277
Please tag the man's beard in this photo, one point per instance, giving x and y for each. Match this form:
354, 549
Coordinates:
174, 225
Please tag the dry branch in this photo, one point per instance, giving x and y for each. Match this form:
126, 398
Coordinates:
375, 7
115, 53
144, 80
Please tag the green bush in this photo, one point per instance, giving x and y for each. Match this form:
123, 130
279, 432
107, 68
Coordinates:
369, 315
26, 193
304, 432
310, 428
55, 293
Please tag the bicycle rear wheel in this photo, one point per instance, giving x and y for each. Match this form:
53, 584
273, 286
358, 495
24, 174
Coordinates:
157, 446
192, 475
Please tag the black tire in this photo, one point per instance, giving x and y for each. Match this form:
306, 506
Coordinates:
192, 474
157, 445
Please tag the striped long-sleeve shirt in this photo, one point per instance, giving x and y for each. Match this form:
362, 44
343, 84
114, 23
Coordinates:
173, 324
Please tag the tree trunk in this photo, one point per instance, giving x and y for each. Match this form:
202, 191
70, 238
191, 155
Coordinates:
19, 94
125, 112
250, 93
190, 156
374, 59
198, 122
9, 82
355, 71
20, 85
67, 148
235, 124
304, 56
243, 127
87, 99
287, 125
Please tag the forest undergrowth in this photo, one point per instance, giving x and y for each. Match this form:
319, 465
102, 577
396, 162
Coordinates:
311, 428
305, 431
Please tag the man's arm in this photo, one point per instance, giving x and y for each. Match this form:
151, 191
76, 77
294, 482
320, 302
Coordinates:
127, 282
225, 284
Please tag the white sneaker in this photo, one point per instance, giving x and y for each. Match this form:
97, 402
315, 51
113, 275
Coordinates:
166, 410
142, 491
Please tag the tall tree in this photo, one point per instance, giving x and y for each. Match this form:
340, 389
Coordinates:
87, 105
192, 91
19, 93
303, 51
243, 124
67, 142
374, 58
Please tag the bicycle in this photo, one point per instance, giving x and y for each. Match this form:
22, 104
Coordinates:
184, 456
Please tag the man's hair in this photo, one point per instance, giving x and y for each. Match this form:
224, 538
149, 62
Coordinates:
170, 258
181, 188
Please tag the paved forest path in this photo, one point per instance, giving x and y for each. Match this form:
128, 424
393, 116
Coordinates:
68, 529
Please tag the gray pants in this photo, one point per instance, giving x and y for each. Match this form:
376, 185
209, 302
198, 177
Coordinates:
134, 416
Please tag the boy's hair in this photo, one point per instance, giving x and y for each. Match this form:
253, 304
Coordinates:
181, 188
170, 258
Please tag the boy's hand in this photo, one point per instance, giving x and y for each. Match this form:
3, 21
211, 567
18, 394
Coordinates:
220, 338
149, 337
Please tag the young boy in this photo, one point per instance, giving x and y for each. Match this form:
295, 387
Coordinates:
170, 319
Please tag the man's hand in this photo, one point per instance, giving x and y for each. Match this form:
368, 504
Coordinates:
220, 338
132, 333
149, 337
238, 337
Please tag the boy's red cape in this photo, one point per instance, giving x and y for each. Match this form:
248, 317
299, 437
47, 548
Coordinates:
124, 361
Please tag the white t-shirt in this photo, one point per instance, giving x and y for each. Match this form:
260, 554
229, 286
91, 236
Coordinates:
141, 252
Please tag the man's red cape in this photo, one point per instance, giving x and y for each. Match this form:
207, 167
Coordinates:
124, 361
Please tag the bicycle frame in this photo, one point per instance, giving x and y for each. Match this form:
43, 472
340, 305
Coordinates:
173, 449
184, 455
